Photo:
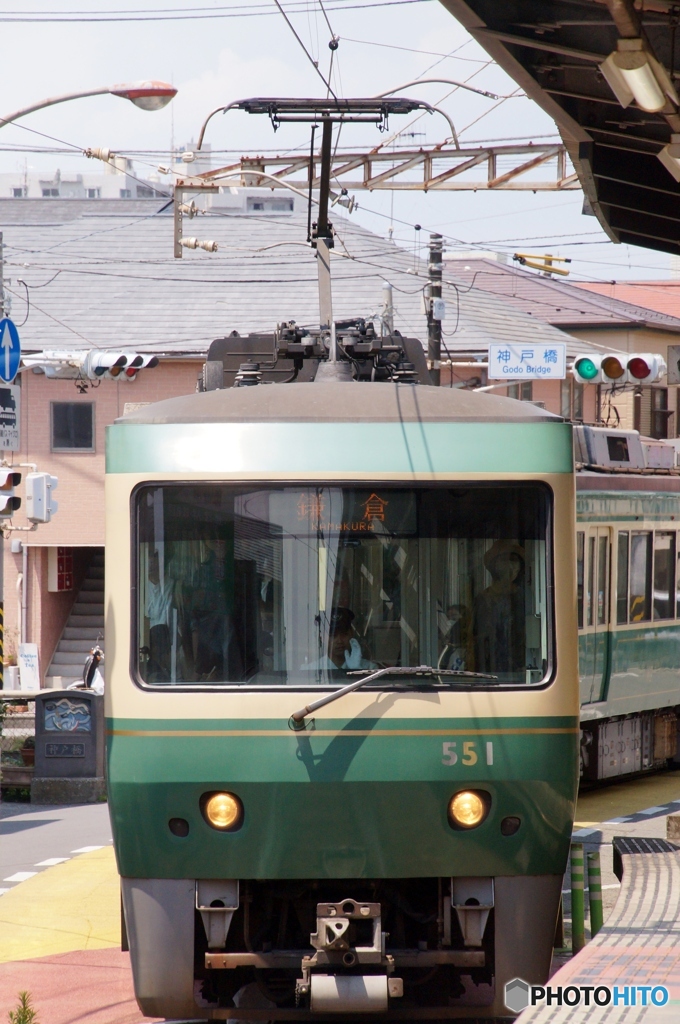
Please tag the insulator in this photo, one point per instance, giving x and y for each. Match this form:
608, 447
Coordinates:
248, 375
405, 373
194, 243
99, 154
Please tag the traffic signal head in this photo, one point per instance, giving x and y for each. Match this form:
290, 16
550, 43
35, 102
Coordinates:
111, 365
619, 368
9, 501
40, 503
138, 363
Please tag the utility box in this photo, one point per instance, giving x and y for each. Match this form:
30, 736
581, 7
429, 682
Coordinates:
69, 747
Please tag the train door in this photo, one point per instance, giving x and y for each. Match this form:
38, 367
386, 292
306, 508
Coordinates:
594, 569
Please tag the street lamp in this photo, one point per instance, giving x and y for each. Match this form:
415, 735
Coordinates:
149, 95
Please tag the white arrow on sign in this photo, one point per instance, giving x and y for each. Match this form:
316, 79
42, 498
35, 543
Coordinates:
7, 345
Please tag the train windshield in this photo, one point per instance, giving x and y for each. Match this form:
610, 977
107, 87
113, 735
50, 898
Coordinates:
299, 586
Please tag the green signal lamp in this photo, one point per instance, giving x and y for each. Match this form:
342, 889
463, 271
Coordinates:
586, 369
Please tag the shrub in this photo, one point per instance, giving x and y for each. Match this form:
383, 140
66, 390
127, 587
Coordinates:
24, 1013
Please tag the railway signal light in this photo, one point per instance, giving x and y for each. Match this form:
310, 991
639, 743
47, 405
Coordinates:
9, 501
40, 503
619, 368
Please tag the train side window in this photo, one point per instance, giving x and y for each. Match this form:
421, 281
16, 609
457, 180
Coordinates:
664, 566
580, 573
640, 576
602, 578
622, 578
590, 588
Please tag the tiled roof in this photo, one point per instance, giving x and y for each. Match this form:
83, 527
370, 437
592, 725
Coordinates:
564, 305
101, 273
662, 296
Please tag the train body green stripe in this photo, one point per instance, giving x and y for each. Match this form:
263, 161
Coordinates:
335, 448
376, 804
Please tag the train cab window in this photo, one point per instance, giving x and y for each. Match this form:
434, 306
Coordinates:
664, 569
640, 577
622, 578
580, 567
300, 585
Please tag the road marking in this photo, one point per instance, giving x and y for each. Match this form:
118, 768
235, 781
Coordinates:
583, 832
87, 849
654, 810
20, 876
3, 891
51, 861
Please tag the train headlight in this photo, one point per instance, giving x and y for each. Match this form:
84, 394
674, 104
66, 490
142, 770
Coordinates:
223, 811
468, 809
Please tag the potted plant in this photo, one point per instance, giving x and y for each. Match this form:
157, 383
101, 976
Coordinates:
10, 669
28, 751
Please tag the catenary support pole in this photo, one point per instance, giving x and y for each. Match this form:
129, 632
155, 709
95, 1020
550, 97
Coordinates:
595, 893
434, 327
578, 928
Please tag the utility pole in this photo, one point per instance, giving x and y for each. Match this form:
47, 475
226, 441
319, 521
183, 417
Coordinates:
434, 327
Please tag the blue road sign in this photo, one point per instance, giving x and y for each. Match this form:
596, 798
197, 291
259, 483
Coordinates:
10, 350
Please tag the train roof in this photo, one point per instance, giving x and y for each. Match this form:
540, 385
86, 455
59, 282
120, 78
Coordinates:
340, 402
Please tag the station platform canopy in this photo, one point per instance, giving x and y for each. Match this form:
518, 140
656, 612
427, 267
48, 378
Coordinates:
568, 56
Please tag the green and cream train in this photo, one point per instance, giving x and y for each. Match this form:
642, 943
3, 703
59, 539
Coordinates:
628, 605
398, 850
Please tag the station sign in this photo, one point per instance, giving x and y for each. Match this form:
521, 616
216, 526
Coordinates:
528, 362
10, 417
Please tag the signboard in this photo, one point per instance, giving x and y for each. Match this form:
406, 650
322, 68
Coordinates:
528, 362
10, 417
29, 667
64, 750
10, 350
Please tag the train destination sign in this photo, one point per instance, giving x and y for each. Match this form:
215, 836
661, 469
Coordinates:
528, 362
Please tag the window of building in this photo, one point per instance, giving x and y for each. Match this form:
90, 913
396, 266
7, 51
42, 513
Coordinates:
523, 391
577, 403
565, 398
660, 413
269, 205
72, 426
18, 193
94, 193
50, 193
125, 193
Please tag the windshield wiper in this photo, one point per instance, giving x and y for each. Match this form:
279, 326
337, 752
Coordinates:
297, 719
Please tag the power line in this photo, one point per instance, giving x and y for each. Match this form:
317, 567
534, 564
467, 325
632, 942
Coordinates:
235, 11
311, 60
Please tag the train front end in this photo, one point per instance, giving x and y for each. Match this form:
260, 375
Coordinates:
399, 850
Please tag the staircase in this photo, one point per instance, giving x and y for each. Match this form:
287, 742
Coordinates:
84, 626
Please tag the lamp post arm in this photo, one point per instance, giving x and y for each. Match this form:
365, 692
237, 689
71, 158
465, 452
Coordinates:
50, 103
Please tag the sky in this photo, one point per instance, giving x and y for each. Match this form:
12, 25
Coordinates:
217, 51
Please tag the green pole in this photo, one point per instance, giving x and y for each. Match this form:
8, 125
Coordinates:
595, 886
578, 927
